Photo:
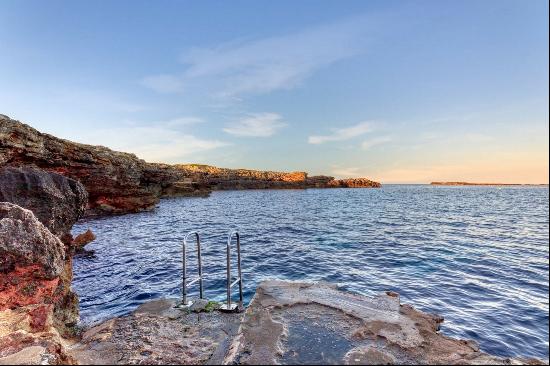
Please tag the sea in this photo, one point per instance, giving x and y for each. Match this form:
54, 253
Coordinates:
476, 255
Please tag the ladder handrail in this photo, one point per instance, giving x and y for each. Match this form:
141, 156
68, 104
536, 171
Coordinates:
239, 280
184, 267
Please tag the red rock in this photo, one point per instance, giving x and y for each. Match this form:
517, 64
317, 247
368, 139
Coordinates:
83, 239
39, 318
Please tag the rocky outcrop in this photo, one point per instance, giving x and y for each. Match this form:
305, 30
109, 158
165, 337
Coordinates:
81, 240
482, 184
158, 333
119, 182
37, 305
291, 323
25, 242
116, 182
354, 183
227, 179
305, 323
57, 201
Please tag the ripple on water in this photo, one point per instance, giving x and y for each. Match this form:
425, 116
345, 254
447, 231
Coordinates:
476, 255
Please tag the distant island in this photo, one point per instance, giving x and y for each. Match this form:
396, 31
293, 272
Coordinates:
481, 184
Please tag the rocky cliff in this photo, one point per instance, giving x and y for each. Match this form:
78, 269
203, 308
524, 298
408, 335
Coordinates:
119, 182
37, 306
226, 179
57, 201
116, 182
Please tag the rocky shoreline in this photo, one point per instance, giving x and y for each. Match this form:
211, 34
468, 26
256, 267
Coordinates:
118, 182
47, 184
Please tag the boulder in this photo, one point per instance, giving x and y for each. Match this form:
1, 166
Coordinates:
81, 240
35, 271
25, 242
57, 201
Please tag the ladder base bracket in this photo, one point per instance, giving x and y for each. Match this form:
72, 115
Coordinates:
233, 308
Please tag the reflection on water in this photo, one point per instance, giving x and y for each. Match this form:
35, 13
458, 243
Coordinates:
476, 255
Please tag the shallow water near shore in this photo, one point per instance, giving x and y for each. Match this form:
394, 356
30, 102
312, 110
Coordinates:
478, 256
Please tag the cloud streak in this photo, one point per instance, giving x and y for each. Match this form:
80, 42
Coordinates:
341, 134
376, 141
256, 125
244, 67
163, 142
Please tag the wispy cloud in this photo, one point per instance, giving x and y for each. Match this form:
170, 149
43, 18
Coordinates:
162, 142
264, 65
376, 141
164, 83
256, 125
341, 134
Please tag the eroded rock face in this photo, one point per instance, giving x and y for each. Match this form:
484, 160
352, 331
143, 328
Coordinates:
158, 333
227, 179
25, 242
119, 182
306, 323
57, 201
116, 182
36, 301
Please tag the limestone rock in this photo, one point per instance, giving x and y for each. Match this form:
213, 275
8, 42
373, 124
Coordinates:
116, 182
57, 201
81, 240
25, 241
225, 179
35, 268
158, 333
315, 323
120, 183
36, 301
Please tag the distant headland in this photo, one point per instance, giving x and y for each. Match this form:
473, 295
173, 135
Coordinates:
482, 184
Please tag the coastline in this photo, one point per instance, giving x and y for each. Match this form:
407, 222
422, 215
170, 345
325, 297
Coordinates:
488, 184
49, 184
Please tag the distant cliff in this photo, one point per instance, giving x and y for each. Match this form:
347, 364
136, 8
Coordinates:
223, 178
481, 184
118, 182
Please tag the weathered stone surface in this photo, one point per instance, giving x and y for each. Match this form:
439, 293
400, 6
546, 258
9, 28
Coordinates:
116, 182
81, 240
57, 201
227, 179
25, 241
158, 333
36, 301
121, 183
305, 323
26, 339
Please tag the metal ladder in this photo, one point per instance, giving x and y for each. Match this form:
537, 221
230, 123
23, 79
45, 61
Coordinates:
184, 269
228, 306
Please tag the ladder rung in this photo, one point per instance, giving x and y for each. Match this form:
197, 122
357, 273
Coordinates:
193, 281
234, 283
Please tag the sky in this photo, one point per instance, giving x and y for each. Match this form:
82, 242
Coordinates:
396, 91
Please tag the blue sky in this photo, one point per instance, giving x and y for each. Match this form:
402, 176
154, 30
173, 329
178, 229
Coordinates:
398, 91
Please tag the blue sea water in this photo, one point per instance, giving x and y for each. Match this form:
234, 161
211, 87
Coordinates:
478, 256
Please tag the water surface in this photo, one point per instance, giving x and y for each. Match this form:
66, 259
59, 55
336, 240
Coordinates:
476, 255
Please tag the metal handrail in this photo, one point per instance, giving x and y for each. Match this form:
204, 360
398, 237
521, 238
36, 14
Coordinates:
228, 306
184, 268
